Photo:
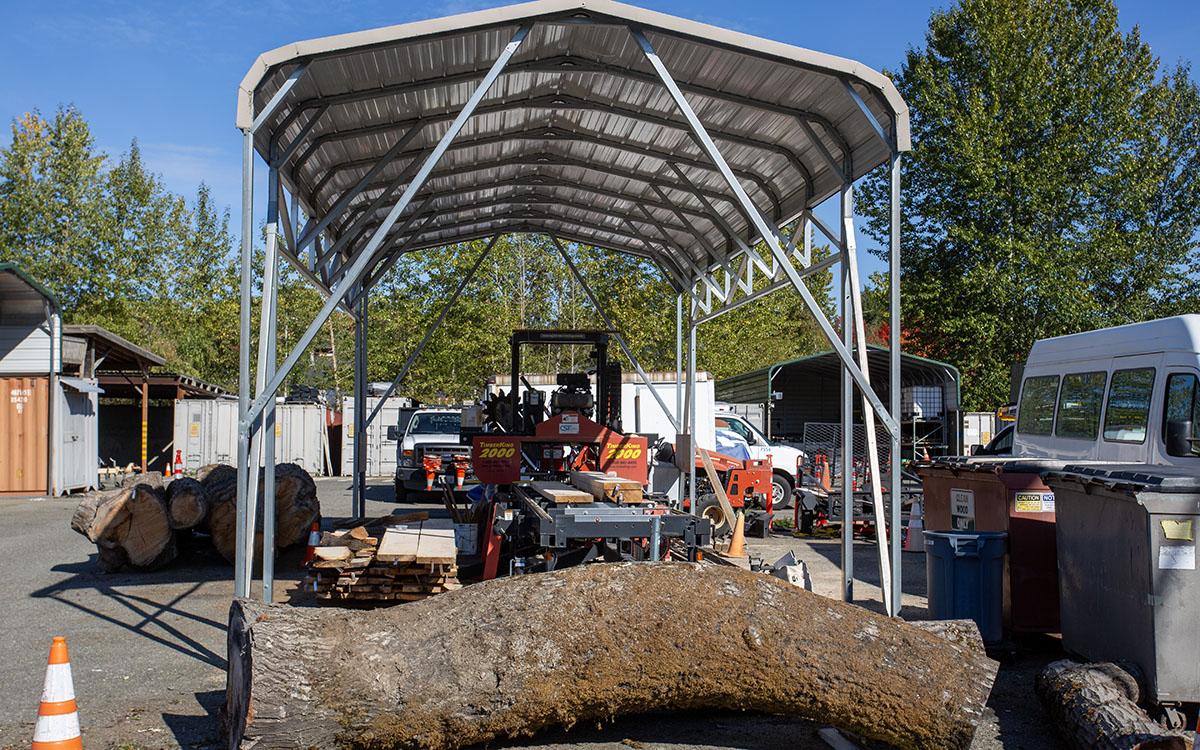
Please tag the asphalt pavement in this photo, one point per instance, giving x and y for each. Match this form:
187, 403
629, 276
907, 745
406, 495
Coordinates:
148, 650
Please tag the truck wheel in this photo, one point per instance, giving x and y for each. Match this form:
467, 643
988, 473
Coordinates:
781, 491
710, 507
401, 492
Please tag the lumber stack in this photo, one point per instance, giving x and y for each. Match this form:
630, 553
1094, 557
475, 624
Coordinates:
406, 563
140, 526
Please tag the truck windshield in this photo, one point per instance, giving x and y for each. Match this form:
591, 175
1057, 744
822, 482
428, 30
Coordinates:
436, 424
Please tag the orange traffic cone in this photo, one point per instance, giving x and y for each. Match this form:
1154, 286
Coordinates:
925, 455
58, 719
914, 540
737, 545
178, 461
314, 539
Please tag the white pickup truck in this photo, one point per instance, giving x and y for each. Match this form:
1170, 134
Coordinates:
423, 432
784, 458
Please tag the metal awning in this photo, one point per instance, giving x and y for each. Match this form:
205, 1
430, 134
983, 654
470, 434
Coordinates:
80, 385
699, 149
577, 136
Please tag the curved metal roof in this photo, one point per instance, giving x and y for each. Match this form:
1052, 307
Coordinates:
578, 137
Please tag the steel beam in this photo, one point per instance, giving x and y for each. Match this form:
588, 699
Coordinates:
359, 460
872, 446
776, 285
765, 230
421, 210
679, 377
433, 327
867, 113
725, 225
616, 333
366, 254
847, 468
241, 580
894, 374
278, 98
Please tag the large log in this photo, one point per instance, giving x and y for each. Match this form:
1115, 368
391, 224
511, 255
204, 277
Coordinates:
187, 503
506, 658
296, 507
1095, 706
129, 526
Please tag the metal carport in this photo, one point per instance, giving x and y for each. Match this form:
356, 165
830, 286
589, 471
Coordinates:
803, 390
590, 121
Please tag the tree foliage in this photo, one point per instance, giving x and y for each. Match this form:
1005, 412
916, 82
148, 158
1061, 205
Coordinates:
1052, 186
122, 251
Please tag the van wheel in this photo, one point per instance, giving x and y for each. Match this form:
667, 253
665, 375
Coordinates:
710, 507
781, 491
401, 492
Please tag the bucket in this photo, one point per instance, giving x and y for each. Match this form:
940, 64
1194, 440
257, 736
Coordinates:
965, 576
466, 538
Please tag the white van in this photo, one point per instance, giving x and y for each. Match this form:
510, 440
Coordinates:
1129, 394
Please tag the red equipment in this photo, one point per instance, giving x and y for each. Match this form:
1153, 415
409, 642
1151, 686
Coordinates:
497, 458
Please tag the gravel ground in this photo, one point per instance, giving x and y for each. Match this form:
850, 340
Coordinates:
148, 650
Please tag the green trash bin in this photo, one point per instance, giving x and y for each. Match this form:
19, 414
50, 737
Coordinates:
964, 572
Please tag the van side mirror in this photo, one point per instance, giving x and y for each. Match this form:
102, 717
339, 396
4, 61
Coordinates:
393, 432
975, 449
1179, 438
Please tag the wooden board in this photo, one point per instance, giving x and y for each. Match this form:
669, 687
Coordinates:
398, 545
436, 546
606, 487
557, 492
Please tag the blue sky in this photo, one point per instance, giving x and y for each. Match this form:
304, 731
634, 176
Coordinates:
165, 72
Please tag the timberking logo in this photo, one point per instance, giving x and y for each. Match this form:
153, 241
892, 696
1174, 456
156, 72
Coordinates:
615, 451
497, 450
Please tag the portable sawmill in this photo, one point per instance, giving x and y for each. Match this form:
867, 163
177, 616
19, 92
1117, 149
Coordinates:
566, 485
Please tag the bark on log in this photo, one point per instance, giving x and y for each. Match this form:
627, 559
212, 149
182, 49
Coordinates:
151, 478
506, 658
1096, 706
98, 512
187, 503
296, 507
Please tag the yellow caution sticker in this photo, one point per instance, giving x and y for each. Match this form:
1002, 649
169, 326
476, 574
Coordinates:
1177, 530
1034, 502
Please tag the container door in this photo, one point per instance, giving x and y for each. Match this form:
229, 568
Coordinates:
347, 436
24, 453
388, 415
75, 462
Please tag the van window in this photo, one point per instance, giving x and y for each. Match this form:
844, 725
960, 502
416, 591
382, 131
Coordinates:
1128, 410
1183, 405
1035, 414
1079, 404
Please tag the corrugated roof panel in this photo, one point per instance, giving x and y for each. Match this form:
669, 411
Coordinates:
616, 132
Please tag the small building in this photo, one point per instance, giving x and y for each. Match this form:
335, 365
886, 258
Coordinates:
48, 400
802, 401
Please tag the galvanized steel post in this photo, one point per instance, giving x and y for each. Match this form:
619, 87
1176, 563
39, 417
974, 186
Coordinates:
241, 578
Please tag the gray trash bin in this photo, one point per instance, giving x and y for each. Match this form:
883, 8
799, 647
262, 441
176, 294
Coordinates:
965, 576
1128, 581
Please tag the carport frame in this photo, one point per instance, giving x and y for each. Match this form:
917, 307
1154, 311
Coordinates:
345, 266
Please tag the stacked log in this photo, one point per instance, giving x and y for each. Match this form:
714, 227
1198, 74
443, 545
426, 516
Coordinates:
140, 525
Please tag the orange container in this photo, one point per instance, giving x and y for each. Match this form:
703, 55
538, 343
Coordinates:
24, 425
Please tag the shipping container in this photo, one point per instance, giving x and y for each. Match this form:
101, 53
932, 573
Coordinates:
978, 429
206, 431
381, 451
24, 423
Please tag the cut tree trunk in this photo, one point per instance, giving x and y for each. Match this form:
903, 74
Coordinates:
509, 657
129, 526
296, 508
1096, 706
187, 503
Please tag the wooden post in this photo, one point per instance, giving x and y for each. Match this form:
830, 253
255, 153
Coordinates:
145, 418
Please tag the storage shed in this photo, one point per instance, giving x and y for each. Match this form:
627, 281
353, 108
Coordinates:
802, 399
47, 410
